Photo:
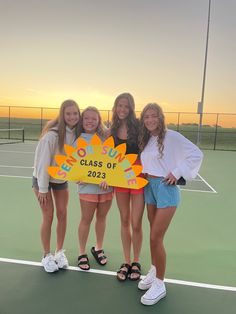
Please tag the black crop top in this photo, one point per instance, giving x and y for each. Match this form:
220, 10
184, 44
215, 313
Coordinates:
131, 148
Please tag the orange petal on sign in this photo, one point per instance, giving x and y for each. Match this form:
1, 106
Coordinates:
53, 171
109, 142
81, 142
60, 159
141, 182
95, 140
69, 149
121, 148
137, 169
131, 158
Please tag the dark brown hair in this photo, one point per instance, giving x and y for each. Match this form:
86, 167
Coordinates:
132, 121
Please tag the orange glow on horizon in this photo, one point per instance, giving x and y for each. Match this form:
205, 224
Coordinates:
224, 120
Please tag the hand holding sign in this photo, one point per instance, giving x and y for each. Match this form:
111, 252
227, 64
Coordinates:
98, 161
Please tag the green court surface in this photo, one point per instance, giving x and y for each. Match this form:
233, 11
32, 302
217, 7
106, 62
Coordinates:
29, 289
200, 246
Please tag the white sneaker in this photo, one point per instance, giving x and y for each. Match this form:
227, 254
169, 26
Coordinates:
49, 263
147, 281
61, 260
155, 293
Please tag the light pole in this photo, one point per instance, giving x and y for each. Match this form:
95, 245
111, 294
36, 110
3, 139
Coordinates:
201, 103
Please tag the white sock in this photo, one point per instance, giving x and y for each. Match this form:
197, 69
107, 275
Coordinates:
159, 281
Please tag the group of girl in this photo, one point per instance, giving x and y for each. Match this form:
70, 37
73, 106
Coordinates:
165, 155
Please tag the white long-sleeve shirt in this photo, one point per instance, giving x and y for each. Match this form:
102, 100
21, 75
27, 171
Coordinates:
180, 157
44, 156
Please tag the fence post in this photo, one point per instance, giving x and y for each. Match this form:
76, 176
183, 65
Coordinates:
178, 122
41, 119
217, 117
9, 121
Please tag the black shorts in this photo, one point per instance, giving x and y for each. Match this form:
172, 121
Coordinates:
52, 185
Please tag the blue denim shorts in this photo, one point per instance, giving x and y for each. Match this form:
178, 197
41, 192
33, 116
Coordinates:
161, 194
54, 186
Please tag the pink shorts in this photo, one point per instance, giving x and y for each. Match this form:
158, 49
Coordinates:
96, 198
131, 191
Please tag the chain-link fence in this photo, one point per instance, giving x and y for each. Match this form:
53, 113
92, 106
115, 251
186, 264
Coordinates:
217, 131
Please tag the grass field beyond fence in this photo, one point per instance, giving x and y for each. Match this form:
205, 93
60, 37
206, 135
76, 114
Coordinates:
212, 136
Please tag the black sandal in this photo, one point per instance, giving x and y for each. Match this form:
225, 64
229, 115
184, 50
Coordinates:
98, 258
86, 262
121, 271
136, 270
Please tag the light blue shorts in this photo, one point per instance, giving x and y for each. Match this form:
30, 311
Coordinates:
160, 194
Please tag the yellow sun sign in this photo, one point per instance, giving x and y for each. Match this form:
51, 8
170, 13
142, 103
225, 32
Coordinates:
98, 161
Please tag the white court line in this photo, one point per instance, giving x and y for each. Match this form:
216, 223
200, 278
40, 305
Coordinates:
200, 285
5, 166
207, 183
182, 189
112, 273
202, 191
188, 190
15, 151
19, 177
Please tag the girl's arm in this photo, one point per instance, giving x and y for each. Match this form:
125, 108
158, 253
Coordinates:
190, 159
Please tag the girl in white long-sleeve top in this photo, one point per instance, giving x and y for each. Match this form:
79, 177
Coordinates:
51, 192
166, 156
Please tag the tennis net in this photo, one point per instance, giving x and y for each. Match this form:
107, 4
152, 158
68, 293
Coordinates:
11, 136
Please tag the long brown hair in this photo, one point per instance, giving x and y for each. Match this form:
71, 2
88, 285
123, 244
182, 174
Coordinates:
145, 135
101, 130
132, 121
58, 124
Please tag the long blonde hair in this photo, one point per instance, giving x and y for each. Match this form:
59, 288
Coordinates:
145, 135
58, 124
101, 129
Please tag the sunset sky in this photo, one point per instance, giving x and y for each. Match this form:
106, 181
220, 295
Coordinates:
93, 50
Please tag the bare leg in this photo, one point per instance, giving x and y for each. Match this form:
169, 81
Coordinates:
45, 229
123, 202
61, 202
136, 222
137, 234
159, 227
87, 213
151, 211
100, 225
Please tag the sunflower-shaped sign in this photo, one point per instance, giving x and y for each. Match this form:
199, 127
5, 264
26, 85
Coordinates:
98, 161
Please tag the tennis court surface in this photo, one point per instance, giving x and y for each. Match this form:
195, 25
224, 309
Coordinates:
201, 249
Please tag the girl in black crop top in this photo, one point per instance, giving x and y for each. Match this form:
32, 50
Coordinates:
125, 129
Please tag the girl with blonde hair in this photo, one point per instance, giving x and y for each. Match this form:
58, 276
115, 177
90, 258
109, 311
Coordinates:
50, 192
93, 198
